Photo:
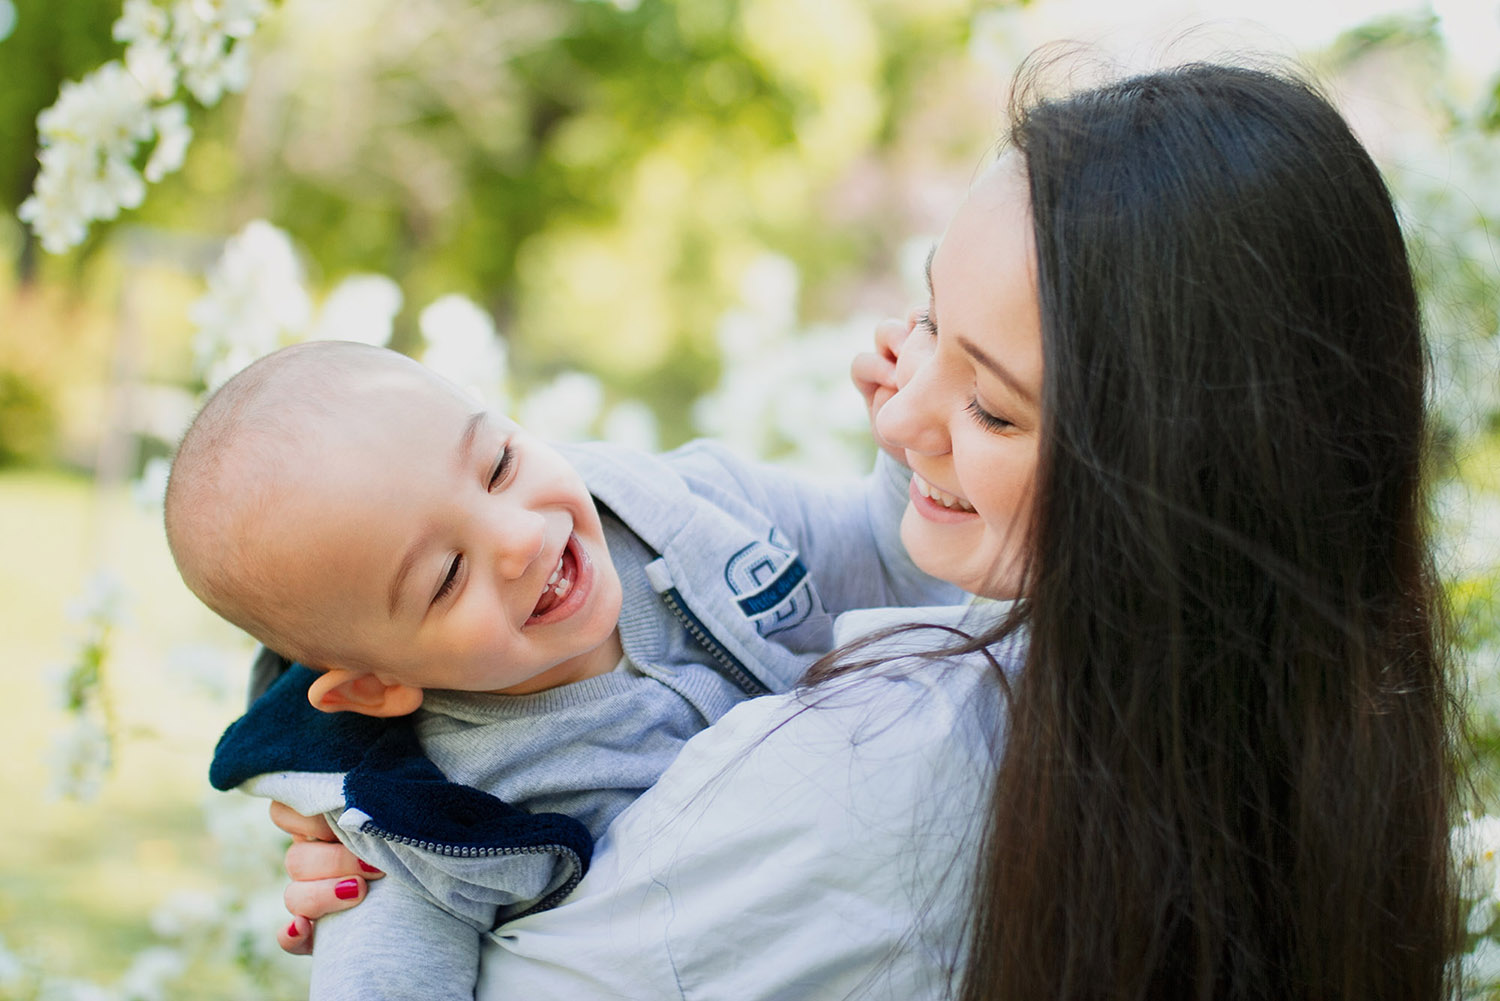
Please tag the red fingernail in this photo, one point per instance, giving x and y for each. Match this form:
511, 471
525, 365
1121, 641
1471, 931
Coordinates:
292, 929
366, 867
347, 890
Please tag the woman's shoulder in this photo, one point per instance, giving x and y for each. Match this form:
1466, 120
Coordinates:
909, 710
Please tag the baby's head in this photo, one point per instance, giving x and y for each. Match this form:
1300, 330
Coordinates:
353, 511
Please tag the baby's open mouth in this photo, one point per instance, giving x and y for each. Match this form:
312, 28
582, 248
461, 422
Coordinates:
559, 583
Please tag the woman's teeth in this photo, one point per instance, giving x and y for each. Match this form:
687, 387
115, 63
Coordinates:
942, 497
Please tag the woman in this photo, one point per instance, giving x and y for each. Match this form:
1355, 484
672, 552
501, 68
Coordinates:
1168, 393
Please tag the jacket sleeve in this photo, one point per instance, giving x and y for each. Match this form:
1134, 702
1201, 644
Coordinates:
847, 530
395, 945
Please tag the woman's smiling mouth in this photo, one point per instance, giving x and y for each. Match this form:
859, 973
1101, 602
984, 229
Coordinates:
936, 504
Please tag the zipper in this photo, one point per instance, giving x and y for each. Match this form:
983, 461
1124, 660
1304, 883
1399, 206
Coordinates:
575, 873
724, 662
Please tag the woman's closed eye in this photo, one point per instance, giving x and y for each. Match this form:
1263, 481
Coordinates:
985, 419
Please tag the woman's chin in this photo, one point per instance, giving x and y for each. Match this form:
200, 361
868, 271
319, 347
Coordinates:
960, 565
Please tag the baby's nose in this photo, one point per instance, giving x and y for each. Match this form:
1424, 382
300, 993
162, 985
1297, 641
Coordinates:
520, 543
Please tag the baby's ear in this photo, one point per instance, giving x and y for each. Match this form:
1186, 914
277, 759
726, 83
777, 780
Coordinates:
341, 689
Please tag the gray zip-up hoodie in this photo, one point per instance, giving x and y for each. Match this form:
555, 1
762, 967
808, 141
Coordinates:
482, 808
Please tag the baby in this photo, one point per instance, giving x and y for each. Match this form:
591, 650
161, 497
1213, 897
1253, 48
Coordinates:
508, 641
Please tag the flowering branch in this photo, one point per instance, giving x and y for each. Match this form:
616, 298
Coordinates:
92, 137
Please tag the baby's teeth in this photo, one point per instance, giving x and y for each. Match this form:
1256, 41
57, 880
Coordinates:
563, 586
555, 573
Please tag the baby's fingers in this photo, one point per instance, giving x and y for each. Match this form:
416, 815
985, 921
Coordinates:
872, 372
891, 334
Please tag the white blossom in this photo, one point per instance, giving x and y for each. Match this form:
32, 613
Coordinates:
12, 968
1476, 848
247, 845
210, 38
152, 66
149, 974
215, 670
106, 109
255, 300
53, 209
631, 423
184, 911
565, 409
141, 21
778, 384
464, 347
172, 137
360, 308
89, 139
70, 989
101, 600
1481, 968
80, 758
150, 489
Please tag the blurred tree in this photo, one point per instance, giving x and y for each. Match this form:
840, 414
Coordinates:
598, 174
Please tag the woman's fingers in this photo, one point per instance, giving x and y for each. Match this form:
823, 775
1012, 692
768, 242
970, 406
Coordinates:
314, 898
297, 937
309, 860
326, 876
298, 826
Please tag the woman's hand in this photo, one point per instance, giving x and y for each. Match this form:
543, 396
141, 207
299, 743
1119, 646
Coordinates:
874, 372
326, 876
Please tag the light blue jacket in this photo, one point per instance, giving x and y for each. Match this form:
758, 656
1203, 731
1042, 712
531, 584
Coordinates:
732, 574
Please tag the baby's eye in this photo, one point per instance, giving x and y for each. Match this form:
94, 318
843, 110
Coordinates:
502, 466
925, 321
446, 587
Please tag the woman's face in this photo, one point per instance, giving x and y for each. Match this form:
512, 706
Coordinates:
968, 406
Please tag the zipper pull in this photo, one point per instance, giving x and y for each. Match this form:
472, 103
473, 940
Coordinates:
659, 575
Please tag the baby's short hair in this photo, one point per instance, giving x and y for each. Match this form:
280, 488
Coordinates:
223, 478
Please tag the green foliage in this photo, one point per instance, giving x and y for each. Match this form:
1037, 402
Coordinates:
597, 177
27, 421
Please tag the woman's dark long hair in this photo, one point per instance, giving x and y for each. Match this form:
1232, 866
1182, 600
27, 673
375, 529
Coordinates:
1228, 767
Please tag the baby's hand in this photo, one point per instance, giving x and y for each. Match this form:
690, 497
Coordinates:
874, 372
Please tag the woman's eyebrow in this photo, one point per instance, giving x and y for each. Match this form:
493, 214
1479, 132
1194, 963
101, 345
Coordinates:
998, 370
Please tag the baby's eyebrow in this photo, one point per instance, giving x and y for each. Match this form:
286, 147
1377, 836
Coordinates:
466, 440
464, 455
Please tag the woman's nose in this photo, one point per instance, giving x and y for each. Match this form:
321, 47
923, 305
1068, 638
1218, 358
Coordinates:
914, 418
